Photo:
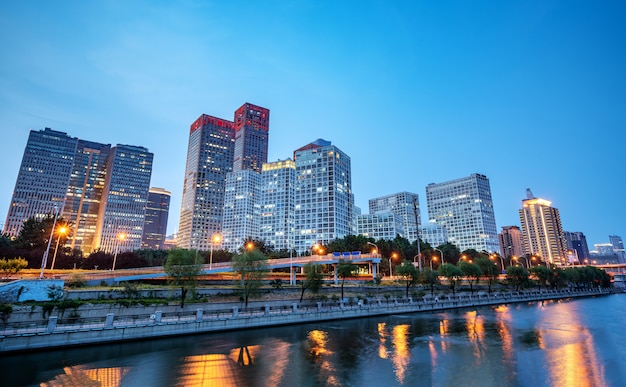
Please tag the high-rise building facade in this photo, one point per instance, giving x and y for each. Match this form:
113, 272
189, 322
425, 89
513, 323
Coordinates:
542, 233
616, 241
242, 203
577, 242
43, 178
155, 225
464, 207
406, 207
123, 207
101, 191
85, 193
209, 159
251, 125
278, 204
511, 242
381, 225
434, 234
324, 202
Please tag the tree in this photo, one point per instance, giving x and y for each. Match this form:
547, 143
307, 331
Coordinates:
542, 274
472, 273
256, 244
489, 269
345, 269
252, 266
409, 274
183, 271
430, 278
452, 274
517, 276
313, 280
451, 253
12, 266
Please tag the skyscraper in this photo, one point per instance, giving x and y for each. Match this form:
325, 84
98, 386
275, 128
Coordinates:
251, 137
43, 178
542, 233
577, 242
85, 193
123, 208
381, 225
511, 242
406, 207
242, 203
157, 212
278, 204
324, 201
465, 208
101, 190
209, 159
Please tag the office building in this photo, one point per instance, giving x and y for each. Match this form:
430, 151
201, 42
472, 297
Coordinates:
242, 203
406, 207
511, 242
251, 125
576, 242
85, 193
434, 234
542, 233
102, 191
209, 159
324, 202
464, 207
157, 212
42, 179
278, 204
381, 225
123, 207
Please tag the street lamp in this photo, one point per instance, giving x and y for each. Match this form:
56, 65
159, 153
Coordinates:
61, 231
44, 260
440, 252
431, 262
120, 239
216, 239
493, 256
394, 256
249, 246
376, 247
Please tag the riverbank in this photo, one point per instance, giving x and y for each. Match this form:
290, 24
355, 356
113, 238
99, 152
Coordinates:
159, 321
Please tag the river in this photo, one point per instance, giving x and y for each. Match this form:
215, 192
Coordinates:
579, 342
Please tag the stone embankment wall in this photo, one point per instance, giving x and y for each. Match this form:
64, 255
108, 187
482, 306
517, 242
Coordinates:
153, 322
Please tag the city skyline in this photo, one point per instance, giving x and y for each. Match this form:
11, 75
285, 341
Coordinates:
530, 96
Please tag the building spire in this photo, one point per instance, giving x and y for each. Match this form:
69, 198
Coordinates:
529, 194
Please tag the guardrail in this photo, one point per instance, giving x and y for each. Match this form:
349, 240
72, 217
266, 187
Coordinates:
59, 331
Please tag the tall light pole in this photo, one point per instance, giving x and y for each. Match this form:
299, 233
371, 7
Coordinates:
493, 256
216, 239
377, 252
44, 260
62, 230
120, 238
440, 252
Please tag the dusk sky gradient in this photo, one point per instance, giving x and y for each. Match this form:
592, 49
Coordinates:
528, 93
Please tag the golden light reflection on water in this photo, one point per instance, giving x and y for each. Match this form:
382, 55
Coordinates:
382, 334
401, 354
320, 354
503, 318
474, 324
208, 370
79, 376
444, 329
570, 351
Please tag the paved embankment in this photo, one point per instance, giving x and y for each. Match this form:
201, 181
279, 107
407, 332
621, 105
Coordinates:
153, 323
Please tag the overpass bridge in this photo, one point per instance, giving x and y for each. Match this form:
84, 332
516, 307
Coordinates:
121, 275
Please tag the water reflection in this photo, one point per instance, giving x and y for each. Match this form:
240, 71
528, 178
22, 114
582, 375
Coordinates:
556, 344
570, 350
80, 376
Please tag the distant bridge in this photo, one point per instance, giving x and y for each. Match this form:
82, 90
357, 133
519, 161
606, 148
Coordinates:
121, 275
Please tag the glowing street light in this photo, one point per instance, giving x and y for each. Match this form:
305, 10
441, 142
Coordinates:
120, 238
440, 252
215, 240
493, 256
61, 231
431, 262
250, 246
44, 260
394, 256
376, 247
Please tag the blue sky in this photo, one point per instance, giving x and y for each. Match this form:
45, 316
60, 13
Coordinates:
528, 93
